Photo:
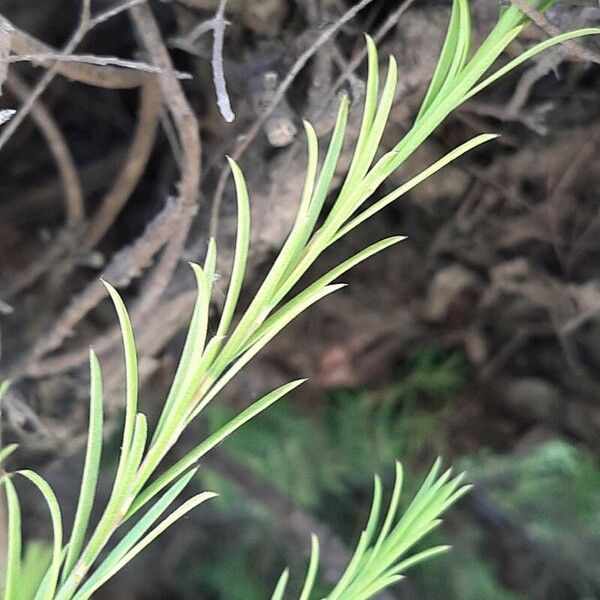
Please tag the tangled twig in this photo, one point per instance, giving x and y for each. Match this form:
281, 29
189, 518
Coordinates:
71, 184
48, 76
125, 265
58, 148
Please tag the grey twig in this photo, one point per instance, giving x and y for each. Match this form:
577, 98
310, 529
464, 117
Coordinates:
94, 59
109, 13
217, 25
218, 28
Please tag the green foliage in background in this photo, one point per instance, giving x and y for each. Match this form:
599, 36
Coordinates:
553, 487
350, 435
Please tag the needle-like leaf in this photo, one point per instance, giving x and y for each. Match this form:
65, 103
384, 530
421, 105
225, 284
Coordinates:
90, 470
139, 530
131, 377
12, 574
51, 582
209, 443
281, 585
241, 250
313, 566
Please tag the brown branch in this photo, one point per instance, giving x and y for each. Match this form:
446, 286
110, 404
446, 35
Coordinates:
59, 150
62, 243
97, 60
48, 76
109, 13
111, 204
73, 193
23, 43
170, 315
135, 163
126, 265
169, 228
186, 125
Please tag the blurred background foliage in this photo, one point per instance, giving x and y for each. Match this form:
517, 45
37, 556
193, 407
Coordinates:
322, 460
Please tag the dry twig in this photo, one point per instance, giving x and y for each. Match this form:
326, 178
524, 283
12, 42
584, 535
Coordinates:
187, 129
126, 265
577, 50
73, 193
58, 148
48, 76
137, 158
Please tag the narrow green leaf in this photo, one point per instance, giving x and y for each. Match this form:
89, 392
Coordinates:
37, 556
300, 230
306, 225
391, 514
530, 53
241, 249
138, 445
7, 451
313, 566
192, 350
346, 204
44, 586
91, 467
294, 308
312, 165
363, 544
412, 183
462, 46
381, 116
357, 166
398, 546
4, 385
12, 576
57, 529
420, 557
88, 589
258, 309
138, 531
210, 262
281, 585
445, 59
375, 587
131, 377
329, 166
324, 280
